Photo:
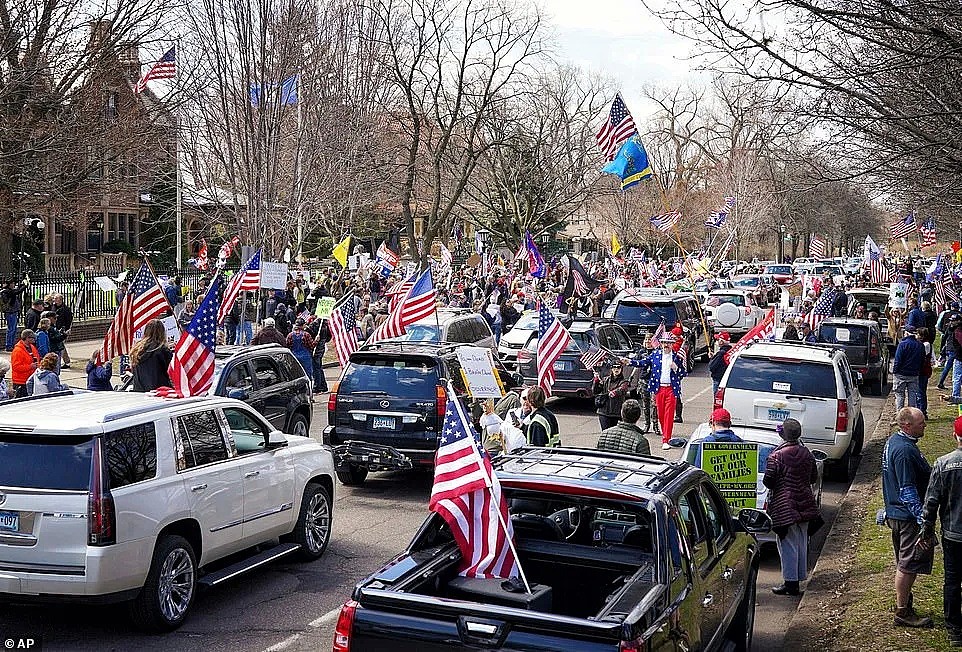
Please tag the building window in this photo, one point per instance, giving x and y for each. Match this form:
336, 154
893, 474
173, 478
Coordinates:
110, 106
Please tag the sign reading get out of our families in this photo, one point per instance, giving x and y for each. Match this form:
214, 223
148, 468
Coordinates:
734, 469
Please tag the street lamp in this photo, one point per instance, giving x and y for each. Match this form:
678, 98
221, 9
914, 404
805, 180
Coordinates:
781, 243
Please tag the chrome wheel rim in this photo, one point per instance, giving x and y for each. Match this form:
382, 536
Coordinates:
300, 428
318, 523
176, 584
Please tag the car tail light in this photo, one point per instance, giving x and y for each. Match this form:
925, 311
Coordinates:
636, 645
332, 397
345, 623
841, 417
720, 398
101, 516
442, 405
524, 355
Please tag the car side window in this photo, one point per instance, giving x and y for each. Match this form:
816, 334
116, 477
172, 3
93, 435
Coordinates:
481, 328
130, 454
289, 366
716, 513
691, 512
457, 332
200, 440
239, 377
247, 431
266, 372
846, 373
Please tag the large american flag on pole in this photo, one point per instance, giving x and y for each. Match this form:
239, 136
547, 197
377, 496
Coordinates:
904, 227
666, 221
553, 339
822, 308
343, 325
144, 302
192, 367
816, 246
420, 302
166, 68
248, 279
400, 290
927, 236
618, 128
879, 272
467, 495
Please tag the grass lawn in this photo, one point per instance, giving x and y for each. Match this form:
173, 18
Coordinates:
867, 622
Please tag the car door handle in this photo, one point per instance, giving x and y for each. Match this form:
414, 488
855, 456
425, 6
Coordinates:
199, 487
252, 474
707, 600
727, 573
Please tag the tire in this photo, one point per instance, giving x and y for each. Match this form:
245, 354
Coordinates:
164, 601
876, 387
843, 470
299, 426
313, 528
352, 477
742, 628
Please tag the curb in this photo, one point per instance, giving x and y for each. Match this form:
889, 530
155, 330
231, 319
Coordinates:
813, 623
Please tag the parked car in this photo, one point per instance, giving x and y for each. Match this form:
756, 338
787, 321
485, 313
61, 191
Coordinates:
874, 300
766, 439
132, 497
515, 339
452, 326
763, 286
622, 553
863, 343
768, 382
783, 274
733, 311
572, 378
268, 378
385, 411
640, 316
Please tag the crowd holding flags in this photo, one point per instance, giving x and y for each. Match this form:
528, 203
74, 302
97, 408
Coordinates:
418, 303
343, 325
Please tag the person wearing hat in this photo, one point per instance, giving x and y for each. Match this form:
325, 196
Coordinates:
790, 472
667, 370
610, 394
268, 334
718, 362
906, 369
720, 423
806, 334
943, 499
790, 334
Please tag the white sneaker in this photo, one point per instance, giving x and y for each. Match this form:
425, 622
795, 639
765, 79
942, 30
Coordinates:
666, 447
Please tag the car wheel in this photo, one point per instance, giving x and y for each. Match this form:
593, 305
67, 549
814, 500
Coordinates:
298, 426
352, 476
742, 628
843, 469
876, 386
169, 590
313, 528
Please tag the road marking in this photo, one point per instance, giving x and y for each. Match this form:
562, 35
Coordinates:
329, 617
698, 395
283, 645
320, 621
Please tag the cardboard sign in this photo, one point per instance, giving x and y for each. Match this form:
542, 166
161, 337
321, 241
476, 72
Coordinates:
273, 275
734, 469
477, 367
325, 307
105, 283
898, 295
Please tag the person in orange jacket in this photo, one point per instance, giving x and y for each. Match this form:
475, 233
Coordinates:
676, 348
24, 360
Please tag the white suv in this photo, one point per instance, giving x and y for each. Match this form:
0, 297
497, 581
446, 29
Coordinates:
732, 311
768, 382
110, 496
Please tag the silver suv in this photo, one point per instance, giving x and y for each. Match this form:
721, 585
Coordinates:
110, 496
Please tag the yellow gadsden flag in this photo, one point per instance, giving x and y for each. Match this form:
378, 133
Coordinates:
615, 245
341, 251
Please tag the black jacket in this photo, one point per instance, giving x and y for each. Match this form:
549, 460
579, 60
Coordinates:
151, 370
717, 364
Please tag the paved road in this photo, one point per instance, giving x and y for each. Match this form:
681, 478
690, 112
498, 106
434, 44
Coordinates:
294, 607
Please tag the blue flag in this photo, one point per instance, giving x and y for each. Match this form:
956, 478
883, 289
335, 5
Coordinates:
288, 92
535, 262
631, 164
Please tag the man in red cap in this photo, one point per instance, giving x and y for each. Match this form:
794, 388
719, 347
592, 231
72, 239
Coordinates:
717, 363
721, 430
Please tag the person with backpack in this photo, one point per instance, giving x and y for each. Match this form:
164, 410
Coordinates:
11, 304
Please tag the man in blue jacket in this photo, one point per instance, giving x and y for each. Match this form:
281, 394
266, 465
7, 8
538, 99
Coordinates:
905, 478
906, 368
667, 370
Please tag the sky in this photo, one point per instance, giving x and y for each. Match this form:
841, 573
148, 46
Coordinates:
621, 40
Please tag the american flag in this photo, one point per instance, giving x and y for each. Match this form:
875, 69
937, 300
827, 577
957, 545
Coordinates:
467, 495
343, 325
399, 290
419, 303
903, 227
144, 302
446, 257
226, 250
716, 220
878, 270
618, 128
202, 262
192, 367
657, 335
553, 339
248, 279
816, 246
927, 233
822, 307
762, 331
729, 203
593, 357
166, 68
945, 291
666, 221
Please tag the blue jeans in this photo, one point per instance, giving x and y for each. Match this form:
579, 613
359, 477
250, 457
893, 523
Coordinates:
793, 551
245, 332
949, 360
12, 319
923, 402
714, 388
320, 381
497, 333
957, 377
906, 390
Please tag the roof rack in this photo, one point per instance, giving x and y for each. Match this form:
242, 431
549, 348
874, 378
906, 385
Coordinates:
40, 397
143, 409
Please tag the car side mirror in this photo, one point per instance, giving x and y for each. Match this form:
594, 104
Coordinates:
239, 393
276, 439
755, 521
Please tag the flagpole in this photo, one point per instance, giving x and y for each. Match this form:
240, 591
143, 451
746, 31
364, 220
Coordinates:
178, 210
497, 509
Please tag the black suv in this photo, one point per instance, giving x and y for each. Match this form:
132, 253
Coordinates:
268, 378
384, 412
863, 343
640, 313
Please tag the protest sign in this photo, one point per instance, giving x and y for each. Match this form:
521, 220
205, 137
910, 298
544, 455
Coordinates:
105, 283
325, 307
733, 467
273, 275
477, 367
898, 295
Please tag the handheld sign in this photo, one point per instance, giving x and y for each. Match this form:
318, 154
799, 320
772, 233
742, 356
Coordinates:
273, 275
325, 307
477, 368
898, 295
733, 467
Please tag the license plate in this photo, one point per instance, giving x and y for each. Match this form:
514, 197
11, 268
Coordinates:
383, 423
778, 415
10, 521
561, 365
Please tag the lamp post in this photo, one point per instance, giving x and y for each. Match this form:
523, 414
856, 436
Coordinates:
781, 243
28, 224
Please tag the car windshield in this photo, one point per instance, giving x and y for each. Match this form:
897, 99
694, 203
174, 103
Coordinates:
400, 377
645, 314
36, 462
528, 322
782, 376
834, 271
843, 334
750, 282
718, 299
778, 269
421, 333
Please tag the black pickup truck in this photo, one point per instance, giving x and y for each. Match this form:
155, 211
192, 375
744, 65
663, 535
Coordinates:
622, 553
